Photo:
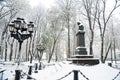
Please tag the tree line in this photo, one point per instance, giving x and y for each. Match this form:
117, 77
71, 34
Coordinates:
55, 29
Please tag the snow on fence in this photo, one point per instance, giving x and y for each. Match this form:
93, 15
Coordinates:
1, 72
64, 76
116, 76
75, 72
25, 74
75, 75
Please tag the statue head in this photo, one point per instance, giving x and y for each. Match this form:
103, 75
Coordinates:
81, 27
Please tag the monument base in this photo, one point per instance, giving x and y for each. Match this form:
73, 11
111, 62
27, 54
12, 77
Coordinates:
81, 51
84, 60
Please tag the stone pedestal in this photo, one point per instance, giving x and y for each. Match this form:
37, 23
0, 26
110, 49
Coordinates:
81, 51
81, 57
84, 60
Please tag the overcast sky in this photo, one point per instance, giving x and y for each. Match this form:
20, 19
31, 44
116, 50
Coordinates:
45, 3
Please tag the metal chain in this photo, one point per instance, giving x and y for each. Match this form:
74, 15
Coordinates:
116, 76
83, 75
65, 75
28, 75
70, 73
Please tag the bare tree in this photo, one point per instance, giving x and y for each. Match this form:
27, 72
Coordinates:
55, 30
11, 50
67, 8
7, 13
90, 13
37, 15
103, 20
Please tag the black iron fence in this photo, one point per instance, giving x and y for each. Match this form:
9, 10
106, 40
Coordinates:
75, 75
116, 76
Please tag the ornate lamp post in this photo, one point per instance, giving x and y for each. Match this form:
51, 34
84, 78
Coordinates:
21, 31
40, 48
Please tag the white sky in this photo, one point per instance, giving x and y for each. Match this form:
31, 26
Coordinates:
45, 3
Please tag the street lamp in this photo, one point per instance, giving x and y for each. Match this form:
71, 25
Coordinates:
40, 48
21, 31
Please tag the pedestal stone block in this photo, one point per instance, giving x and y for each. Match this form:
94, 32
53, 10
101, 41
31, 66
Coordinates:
81, 57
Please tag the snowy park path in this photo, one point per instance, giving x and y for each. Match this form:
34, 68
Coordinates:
97, 72
59, 71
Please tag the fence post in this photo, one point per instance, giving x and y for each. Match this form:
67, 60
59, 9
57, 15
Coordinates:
29, 72
36, 67
110, 64
75, 74
17, 74
2, 76
40, 65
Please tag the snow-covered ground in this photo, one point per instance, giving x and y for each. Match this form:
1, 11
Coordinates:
55, 71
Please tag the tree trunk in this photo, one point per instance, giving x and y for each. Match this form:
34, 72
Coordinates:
91, 43
51, 54
41, 54
27, 50
1, 51
107, 52
56, 53
56, 58
16, 48
74, 38
2, 39
69, 52
102, 48
5, 51
33, 43
115, 52
111, 56
11, 51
